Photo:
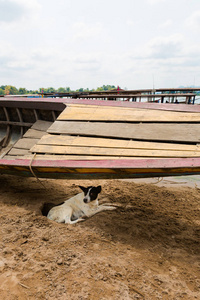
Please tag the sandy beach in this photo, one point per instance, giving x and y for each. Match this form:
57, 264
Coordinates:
146, 249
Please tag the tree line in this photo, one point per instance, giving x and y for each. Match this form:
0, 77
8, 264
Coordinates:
12, 90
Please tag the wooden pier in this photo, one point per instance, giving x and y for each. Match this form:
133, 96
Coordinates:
179, 95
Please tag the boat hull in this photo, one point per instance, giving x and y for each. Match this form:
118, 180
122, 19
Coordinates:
101, 169
20, 116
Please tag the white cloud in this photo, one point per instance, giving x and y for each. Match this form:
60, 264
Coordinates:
83, 30
193, 21
130, 22
165, 47
12, 11
86, 43
166, 24
87, 62
161, 48
155, 1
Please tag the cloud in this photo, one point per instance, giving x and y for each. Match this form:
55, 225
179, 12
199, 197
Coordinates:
160, 48
12, 11
171, 59
87, 62
155, 1
82, 30
165, 47
130, 22
193, 21
166, 24
6, 53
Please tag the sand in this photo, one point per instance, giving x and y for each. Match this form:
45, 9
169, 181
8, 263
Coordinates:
148, 248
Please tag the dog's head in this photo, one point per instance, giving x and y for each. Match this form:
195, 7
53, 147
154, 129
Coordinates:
90, 193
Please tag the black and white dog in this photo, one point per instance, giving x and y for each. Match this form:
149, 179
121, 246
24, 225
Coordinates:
74, 209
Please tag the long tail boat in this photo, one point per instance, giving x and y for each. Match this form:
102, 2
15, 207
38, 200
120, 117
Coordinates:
98, 139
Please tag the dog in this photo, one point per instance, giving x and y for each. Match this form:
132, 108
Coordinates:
77, 208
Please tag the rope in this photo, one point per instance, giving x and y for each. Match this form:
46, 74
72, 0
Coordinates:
159, 180
30, 167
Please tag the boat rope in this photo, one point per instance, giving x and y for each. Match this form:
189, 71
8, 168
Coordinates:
30, 167
158, 180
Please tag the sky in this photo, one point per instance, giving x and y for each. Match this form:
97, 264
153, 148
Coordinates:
89, 43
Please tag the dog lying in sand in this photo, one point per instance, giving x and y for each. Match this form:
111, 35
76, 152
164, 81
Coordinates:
75, 209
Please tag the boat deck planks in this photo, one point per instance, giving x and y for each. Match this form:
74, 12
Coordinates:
18, 152
30, 138
75, 145
41, 125
34, 134
26, 143
123, 114
149, 132
111, 142
68, 140
111, 151
54, 157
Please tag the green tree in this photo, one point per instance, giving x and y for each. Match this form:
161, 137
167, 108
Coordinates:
106, 88
42, 90
22, 91
11, 90
50, 90
68, 90
61, 90
2, 92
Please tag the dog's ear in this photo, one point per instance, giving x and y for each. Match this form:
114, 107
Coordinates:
82, 188
99, 189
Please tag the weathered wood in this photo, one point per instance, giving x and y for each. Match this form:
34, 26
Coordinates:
111, 151
104, 113
15, 151
149, 132
41, 125
34, 134
26, 143
68, 140
143, 105
68, 157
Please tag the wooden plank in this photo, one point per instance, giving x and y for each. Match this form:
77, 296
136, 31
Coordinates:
103, 113
68, 157
15, 151
34, 134
26, 143
149, 132
143, 105
41, 125
111, 151
26, 156
67, 140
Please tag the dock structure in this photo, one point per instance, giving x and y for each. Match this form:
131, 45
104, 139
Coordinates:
161, 95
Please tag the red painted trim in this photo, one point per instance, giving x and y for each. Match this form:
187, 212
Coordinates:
166, 163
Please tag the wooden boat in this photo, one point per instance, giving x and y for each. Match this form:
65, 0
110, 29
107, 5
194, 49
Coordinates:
96, 139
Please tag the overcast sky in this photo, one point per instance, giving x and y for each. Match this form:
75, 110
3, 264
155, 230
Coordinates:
88, 43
